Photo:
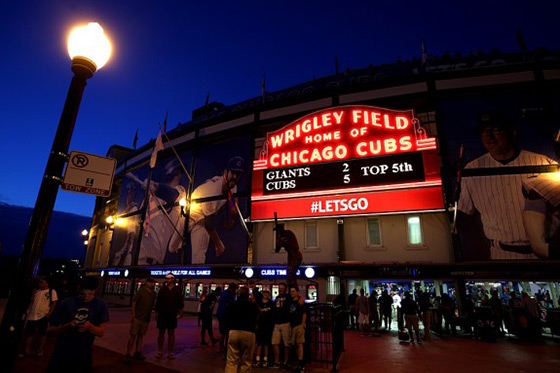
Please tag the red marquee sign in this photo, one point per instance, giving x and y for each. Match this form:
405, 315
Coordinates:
345, 149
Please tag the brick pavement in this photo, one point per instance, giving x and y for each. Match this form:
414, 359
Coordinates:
370, 354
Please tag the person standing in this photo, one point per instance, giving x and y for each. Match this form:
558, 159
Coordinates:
226, 300
42, 306
141, 312
200, 300
281, 332
298, 319
373, 312
169, 306
410, 311
265, 327
207, 310
362, 306
242, 319
386, 304
77, 321
424, 306
352, 308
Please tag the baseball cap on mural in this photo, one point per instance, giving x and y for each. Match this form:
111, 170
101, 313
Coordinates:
236, 164
171, 166
494, 120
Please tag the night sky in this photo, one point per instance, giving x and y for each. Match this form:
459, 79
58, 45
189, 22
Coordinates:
169, 54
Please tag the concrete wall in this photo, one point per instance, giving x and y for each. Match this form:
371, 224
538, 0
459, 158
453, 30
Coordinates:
436, 247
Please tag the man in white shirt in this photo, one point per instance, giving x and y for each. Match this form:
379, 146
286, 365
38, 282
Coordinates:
42, 305
202, 225
498, 198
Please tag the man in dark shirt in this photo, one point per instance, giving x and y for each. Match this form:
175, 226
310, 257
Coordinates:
298, 319
169, 305
207, 311
281, 332
425, 305
385, 304
226, 300
141, 312
242, 320
78, 320
264, 327
353, 312
410, 310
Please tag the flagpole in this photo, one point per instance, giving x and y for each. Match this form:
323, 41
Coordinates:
176, 154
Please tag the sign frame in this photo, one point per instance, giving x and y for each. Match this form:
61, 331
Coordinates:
83, 168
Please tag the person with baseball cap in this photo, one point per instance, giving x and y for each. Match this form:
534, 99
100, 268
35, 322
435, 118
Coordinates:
141, 313
169, 306
496, 195
202, 224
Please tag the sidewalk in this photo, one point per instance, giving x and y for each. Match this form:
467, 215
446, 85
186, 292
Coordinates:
363, 354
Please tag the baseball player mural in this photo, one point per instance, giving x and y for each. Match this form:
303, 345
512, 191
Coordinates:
203, 217
123, 255
164, 223
496, 195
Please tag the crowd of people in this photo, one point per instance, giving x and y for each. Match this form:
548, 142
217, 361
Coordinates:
519, 314
370, 313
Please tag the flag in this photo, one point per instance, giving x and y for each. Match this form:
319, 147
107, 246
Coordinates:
135, 141
165, 123
521, 40
263, 90
424, 53
157, 147
336, 64
207, 99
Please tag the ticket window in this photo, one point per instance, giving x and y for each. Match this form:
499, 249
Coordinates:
312, 293
138, 285
199, 289
157, 286
259, 287
187, 290
213, 287
108, 287
275, 291
127, 287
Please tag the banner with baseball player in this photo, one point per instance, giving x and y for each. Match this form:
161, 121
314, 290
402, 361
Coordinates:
505, 175
217, 232
129, 212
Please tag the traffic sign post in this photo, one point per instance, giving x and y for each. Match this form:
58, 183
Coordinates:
89, 174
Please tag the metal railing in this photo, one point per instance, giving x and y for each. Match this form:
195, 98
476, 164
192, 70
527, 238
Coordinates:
325, 333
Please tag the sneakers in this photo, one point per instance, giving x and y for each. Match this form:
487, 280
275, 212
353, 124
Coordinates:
273, 365
256, 363
203, 344
139, 356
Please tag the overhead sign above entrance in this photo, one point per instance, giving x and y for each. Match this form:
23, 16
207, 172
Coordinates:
362, 151
90, 174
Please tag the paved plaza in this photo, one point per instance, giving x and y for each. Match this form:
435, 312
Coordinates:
363, 354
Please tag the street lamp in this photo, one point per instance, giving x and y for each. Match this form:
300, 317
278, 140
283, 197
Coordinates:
89, 50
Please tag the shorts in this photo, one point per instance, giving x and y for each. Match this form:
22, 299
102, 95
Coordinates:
264, 335
39, 326
298, 335
167, 321
363, 319
281, 332
138, 327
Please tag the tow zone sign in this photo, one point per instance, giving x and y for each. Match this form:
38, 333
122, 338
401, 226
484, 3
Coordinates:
89, 174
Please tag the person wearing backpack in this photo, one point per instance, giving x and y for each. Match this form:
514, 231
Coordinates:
40, 309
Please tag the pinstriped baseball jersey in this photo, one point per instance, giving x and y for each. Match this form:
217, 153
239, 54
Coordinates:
499, 200
546, 185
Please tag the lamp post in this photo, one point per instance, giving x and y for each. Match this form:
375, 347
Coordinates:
89, 50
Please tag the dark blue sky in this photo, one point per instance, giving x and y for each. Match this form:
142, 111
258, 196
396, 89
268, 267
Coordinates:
169, 54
